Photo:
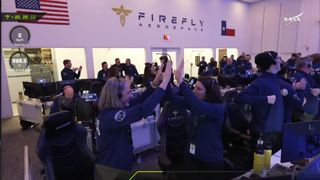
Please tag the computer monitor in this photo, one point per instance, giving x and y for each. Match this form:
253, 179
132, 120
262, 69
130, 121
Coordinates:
40, 90
300, 140
311, 171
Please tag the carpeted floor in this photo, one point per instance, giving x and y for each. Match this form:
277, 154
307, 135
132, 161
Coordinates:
12, 155
14, 139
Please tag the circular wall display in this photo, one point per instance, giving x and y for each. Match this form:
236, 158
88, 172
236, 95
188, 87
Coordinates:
19, 60
19, 35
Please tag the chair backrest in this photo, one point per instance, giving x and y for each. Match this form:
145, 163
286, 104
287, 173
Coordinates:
238, 116
172, 129
96, 87
63, 150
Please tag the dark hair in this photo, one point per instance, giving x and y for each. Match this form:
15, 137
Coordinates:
147, 73
213, 94
103, 63
113, 72
66, 61
266, 59
315, 58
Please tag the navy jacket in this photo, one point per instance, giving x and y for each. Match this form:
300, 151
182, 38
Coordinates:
69, 74
311, 106
230, 70
266, 117
103, 75
204, 126
290, 101
202, 66
114, 140
130, 70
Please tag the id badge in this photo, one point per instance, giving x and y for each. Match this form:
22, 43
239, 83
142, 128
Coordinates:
192, 148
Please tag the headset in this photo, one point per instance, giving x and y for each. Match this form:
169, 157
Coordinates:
274, 61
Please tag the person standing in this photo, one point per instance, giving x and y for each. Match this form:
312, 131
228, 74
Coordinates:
117, 111
103, 73
202, 65
312, 90
70, 74
264, 94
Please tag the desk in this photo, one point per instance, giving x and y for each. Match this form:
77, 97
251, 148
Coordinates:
275, 158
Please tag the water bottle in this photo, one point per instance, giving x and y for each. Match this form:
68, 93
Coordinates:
20, 96
258, 157
267, 155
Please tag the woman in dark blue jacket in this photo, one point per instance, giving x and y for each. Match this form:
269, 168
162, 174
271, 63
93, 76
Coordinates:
117, 112
204, 150
272, 100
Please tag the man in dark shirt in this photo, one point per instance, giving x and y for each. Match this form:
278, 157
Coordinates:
130, 69
312, 90
70, 74
103, 73
118, 67
202, 65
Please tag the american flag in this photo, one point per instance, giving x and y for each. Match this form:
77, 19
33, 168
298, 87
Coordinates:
56, 11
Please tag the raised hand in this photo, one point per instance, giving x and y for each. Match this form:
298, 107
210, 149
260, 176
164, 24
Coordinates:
166, 75
179, 72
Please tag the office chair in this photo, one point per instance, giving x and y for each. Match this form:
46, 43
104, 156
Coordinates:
173, 136
236, 140
95, 87
63, 150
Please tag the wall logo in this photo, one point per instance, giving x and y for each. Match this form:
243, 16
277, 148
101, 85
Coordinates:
293, 18
169, 22
152, 20
123, 13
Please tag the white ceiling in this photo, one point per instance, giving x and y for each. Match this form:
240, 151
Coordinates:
250, 1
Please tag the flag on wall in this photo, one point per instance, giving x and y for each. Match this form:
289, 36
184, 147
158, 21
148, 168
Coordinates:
225, 31
56, 11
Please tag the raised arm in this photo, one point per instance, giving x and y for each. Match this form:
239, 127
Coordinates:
196, 104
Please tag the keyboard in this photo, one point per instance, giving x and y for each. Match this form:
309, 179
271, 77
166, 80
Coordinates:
279, 170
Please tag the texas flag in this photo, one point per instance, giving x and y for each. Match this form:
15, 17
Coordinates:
225, 31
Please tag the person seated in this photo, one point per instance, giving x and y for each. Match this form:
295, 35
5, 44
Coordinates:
130, 69
65, 101
118, 67
230, 70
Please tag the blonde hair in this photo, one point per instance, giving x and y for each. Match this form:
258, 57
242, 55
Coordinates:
111, 93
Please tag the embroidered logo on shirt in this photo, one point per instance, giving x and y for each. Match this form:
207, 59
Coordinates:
120, 116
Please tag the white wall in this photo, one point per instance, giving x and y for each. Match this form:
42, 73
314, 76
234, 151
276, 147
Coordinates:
189, 57
95, 25
6, 108
137, 56
270, 31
